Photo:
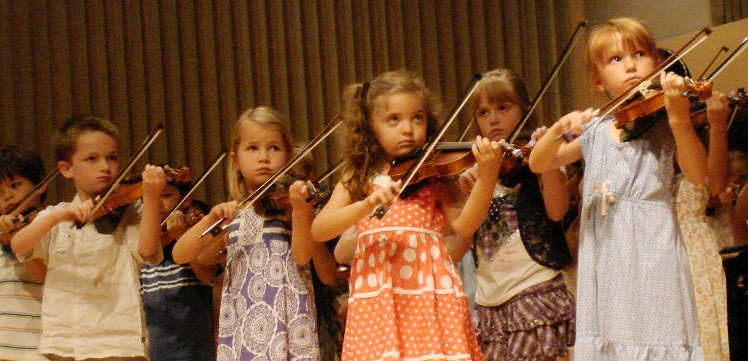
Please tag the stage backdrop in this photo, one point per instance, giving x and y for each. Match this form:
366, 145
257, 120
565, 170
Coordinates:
196, 65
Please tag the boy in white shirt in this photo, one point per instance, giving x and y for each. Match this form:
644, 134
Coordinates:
91, 306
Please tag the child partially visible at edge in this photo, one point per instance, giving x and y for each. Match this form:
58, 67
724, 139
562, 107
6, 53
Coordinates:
91, 305
634, 292
402, 269
178, 299
21, 283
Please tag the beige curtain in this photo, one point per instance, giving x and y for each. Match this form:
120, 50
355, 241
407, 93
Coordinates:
195, 65
725, 11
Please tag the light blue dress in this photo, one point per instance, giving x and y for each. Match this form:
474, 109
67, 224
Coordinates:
267, 303
634, 299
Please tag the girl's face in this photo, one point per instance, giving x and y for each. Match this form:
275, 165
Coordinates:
261, 152
399, 122
622, 67
13, 190
497, 120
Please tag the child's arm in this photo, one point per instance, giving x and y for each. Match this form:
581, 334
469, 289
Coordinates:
154, 181
27, 237
346, 247
552, 153
302, 246
488, 155
690, 152
718, 114
190, 245
553, 186
341, 212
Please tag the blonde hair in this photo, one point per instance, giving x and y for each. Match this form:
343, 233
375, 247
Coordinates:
501, 85
363, 153
264, 116
632, 33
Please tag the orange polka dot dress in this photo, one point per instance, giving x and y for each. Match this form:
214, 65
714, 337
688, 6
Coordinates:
406, 300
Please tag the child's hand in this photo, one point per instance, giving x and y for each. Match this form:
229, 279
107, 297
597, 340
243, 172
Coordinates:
154, 181
678, 107
77, 212
488, 155
718, 110
467, 179
176, 224
224, 210
383, 196
571, 123
538, 133
6, 223
298, 193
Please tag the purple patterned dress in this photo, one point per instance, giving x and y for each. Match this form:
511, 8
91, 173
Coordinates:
267, 307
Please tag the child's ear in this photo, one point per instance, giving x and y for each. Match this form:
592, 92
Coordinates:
64, 167
234, 161
597, 83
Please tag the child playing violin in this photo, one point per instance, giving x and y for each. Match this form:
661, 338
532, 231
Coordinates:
700, 238
267, 303
634, 293
406, 297
523, 309
178, 299
20, 282
91, 305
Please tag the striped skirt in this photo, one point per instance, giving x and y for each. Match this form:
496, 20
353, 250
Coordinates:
535, 324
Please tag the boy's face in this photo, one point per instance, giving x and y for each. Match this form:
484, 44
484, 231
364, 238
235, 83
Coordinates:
169, 198
94, 164
13, 190
622, 67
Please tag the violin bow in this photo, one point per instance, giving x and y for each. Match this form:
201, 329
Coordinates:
722, 49
554, 72
143, 147
216, 227
726, 62
623, 97
205, 174
40, 188
379, 211
567, 51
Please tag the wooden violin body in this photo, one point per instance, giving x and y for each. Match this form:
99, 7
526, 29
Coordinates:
130, 190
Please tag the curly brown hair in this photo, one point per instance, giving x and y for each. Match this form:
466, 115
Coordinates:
363, 153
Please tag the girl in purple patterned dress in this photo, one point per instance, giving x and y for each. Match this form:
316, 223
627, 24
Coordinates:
267, 303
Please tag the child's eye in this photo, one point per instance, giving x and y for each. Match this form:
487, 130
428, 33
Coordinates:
614, 59
275, 148
639, 54
419, 117
113, 157
482, 113
252, 147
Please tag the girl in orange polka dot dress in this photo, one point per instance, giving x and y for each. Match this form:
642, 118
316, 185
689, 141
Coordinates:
406, 298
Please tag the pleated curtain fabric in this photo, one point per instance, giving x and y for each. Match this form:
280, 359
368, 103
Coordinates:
195, 65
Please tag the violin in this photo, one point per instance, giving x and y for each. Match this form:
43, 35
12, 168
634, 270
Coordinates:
193, 213
448, 159
130, 190
279, 197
